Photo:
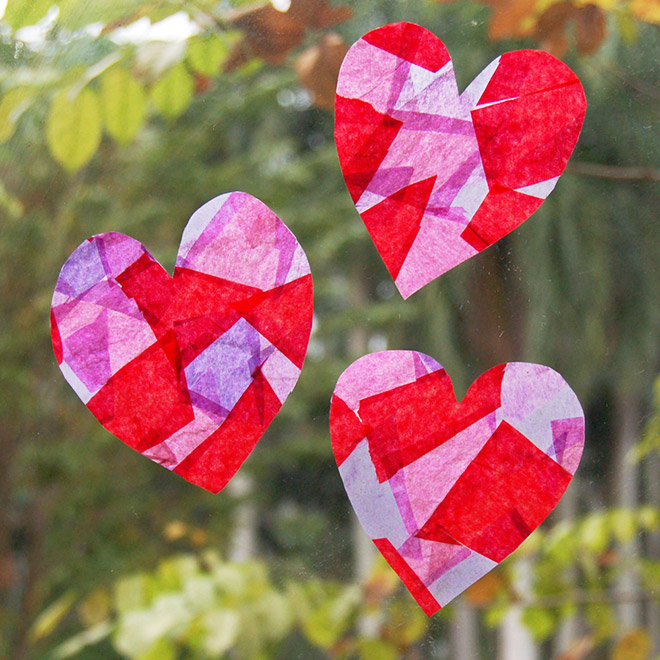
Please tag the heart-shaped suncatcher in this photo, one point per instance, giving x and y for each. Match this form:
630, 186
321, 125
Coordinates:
189, 370
447, 490
437, 176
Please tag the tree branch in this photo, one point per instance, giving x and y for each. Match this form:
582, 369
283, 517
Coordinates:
621, 173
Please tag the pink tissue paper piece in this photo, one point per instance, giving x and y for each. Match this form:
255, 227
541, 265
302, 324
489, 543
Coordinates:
438, 176
447, 490
188, 369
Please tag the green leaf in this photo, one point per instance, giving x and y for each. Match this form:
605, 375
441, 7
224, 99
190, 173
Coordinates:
329, 622
628, 27
648, 517
131, 593
495, 615
561, 542
12, 205
407, 623
377, 649
163, 649
77, 643
175, 571
173, 92
47, 621
13, 105
275, 612
595, 533
78, 13
601, 618
221, 629
650, 572
123, 103
624, 525
230, 579
541, 623
74, 128
19, 13
138, 631
205, 55
200, 592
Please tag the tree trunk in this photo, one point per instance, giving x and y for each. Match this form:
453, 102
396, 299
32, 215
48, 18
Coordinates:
363, 550
358, 345
629, 610
243, 545
569, 629
464, 633
515, 641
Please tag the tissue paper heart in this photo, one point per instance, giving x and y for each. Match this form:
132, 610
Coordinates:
189, 370
437, 176
447, 490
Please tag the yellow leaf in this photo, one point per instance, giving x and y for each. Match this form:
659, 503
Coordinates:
607, 5
95, 608
327, 623
645, 10
595, 533
123, 103
131, 593
47, 621
623, 525
207, 54
12, 106
74, 645
12, 205
163, 649
19, 13
74, 128
173, 92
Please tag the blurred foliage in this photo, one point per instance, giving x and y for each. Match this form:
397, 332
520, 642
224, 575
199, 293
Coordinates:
651, 433
559, 25
104, 555
203, 607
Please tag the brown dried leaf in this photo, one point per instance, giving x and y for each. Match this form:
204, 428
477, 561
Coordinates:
271, 34
579, 650
483, 592
635, 645
508, 16
9, 572
515, 18
551, 27
318, 13
590, 28
318, 69
175, 530
202, 83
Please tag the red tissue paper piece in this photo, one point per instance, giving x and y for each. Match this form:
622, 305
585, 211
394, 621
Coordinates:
189, 370
438, 176
447, 490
